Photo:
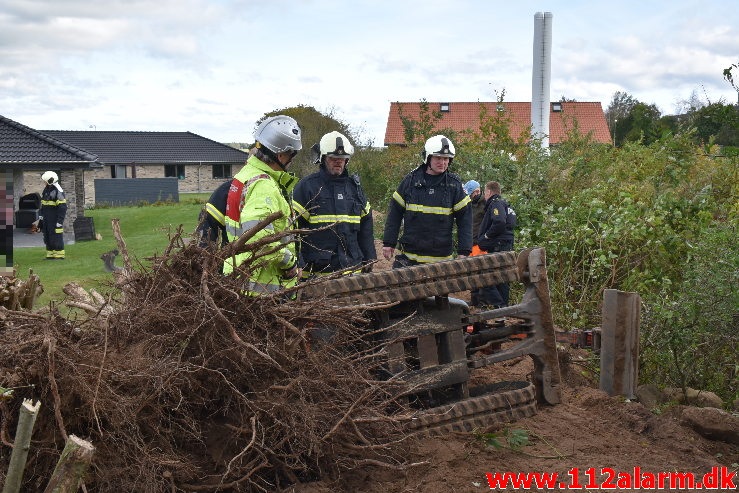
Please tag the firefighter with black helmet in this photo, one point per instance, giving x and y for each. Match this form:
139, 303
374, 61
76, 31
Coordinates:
428, 203
332, 203
51, 216
261, 188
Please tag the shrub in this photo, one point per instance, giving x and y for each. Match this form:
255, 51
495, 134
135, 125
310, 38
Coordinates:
690, 331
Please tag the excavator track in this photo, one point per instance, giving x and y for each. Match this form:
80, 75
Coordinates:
426, 333
419, 281
502, 402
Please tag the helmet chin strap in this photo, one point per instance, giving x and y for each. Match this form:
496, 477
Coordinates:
273, 156
284, 167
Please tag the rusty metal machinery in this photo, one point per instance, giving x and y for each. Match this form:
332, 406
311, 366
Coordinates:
434, 343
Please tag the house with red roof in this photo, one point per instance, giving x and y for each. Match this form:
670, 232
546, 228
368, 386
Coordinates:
564, 116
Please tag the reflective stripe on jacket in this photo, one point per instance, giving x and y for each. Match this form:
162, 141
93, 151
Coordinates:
53, 205
428, 207
339, 204
256, 192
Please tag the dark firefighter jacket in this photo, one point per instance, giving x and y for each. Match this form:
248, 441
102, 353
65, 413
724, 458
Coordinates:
497, 225
339, 203
428, 206
213, 217
53, 211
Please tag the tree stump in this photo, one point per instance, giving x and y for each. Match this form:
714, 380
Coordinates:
72, 466
22, 444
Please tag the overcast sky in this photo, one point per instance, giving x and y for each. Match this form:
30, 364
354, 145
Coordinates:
213, 67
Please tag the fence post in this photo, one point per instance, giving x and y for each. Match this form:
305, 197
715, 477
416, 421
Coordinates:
619, 352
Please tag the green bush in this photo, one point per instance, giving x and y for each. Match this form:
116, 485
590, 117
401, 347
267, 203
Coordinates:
690, 331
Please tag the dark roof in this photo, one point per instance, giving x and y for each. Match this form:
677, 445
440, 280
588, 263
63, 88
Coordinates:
466, 116
127, 147
20, 144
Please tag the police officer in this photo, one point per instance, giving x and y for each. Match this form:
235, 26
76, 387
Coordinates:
332, 202
51, 216
496, 235
428, 202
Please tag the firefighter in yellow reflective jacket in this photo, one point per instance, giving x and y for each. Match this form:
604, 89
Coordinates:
262, 187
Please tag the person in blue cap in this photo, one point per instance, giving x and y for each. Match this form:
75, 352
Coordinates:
477, 204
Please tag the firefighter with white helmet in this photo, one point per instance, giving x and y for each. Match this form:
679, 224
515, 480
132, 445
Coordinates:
51, 216
263, 187
333, 203
428, 203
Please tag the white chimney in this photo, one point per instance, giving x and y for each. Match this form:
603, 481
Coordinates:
541, 77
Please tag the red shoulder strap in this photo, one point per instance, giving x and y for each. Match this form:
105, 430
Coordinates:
234, 202
236, 194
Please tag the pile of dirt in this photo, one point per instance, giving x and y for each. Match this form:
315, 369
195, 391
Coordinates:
589, 433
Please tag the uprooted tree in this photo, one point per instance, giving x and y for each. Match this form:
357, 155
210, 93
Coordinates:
181, 383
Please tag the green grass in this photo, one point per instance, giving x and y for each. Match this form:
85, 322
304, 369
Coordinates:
144, 229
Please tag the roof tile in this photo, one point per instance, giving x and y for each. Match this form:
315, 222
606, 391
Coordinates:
465, 115
127, 147
20, 144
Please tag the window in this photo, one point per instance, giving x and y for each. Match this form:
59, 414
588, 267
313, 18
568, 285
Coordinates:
174, 171
557, 106
222, 171
500, 108
118, 171
445, 107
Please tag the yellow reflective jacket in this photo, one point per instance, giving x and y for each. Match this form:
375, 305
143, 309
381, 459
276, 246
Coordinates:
256, 192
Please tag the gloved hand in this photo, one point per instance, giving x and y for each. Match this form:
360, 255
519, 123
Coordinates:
292, 273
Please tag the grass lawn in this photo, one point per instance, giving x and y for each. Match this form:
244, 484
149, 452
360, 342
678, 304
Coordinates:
144, 229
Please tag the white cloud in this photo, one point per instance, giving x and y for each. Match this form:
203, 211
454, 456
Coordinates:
215, 67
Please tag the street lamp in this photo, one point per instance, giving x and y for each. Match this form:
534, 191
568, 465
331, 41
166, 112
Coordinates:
615, 122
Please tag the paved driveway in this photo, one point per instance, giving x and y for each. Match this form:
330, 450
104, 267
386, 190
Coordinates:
22, 238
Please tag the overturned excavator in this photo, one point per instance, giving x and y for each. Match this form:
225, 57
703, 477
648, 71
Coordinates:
434, 343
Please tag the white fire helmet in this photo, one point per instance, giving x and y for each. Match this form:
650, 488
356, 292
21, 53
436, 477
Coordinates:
336, 145
438, 145
49, 177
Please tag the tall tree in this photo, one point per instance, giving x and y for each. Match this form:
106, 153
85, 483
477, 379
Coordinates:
617, 112
692, 104
719, 123
643, 123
